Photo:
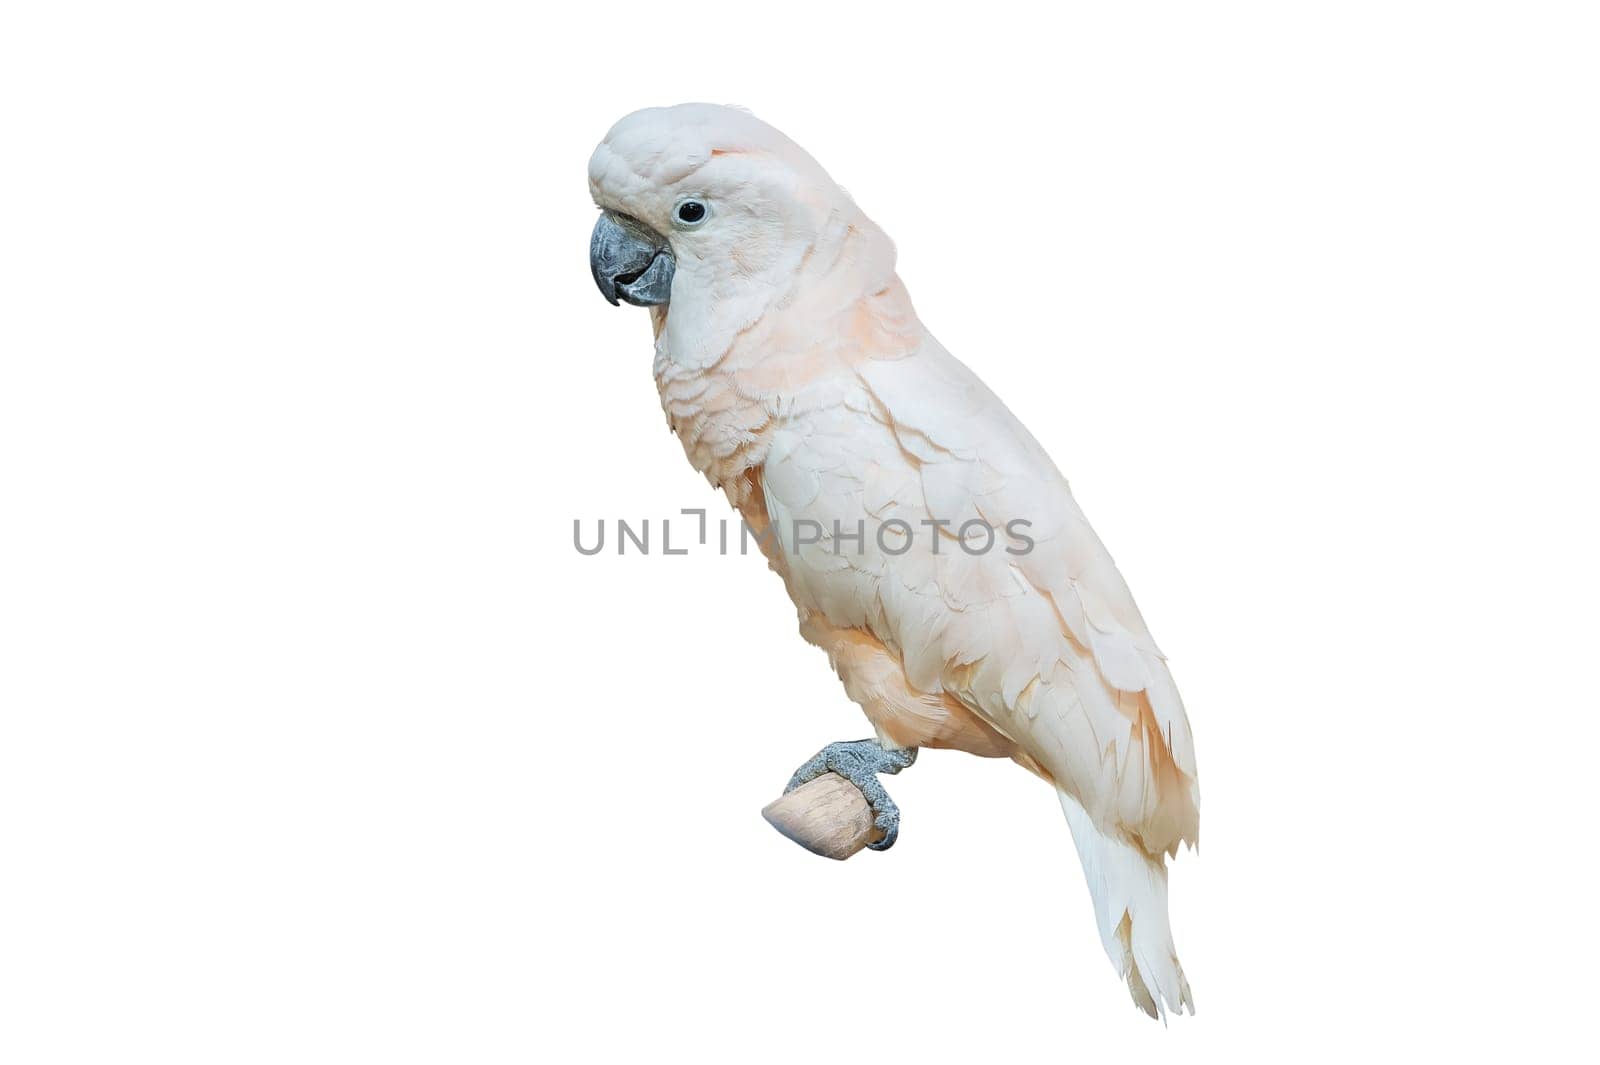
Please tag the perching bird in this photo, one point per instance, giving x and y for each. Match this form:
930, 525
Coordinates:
932, 548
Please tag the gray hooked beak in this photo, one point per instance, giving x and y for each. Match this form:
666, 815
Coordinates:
630, 260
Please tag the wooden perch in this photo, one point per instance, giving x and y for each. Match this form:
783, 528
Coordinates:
828, 816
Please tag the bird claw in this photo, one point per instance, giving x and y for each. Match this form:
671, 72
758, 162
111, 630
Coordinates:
860, 762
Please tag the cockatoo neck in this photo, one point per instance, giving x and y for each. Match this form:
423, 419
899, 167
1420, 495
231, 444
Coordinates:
716, 313
771, 351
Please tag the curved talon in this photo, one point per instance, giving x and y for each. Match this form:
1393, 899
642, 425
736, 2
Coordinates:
860, 762
888, 821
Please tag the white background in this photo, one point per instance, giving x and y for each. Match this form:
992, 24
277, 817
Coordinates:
321, 743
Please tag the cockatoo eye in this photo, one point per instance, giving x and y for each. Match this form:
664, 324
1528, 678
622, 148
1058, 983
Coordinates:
691, 213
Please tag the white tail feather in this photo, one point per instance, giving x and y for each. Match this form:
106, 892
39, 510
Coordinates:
1130, 905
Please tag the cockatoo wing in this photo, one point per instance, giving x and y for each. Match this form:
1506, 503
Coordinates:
1044, 643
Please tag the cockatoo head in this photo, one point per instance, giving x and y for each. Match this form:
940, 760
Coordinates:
707, 208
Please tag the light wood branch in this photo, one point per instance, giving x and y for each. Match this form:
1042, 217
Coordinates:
827, 816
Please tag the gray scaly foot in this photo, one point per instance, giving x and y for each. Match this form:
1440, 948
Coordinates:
860, 762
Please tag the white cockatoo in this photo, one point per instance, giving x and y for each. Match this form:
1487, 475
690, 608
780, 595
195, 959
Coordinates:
932, 548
